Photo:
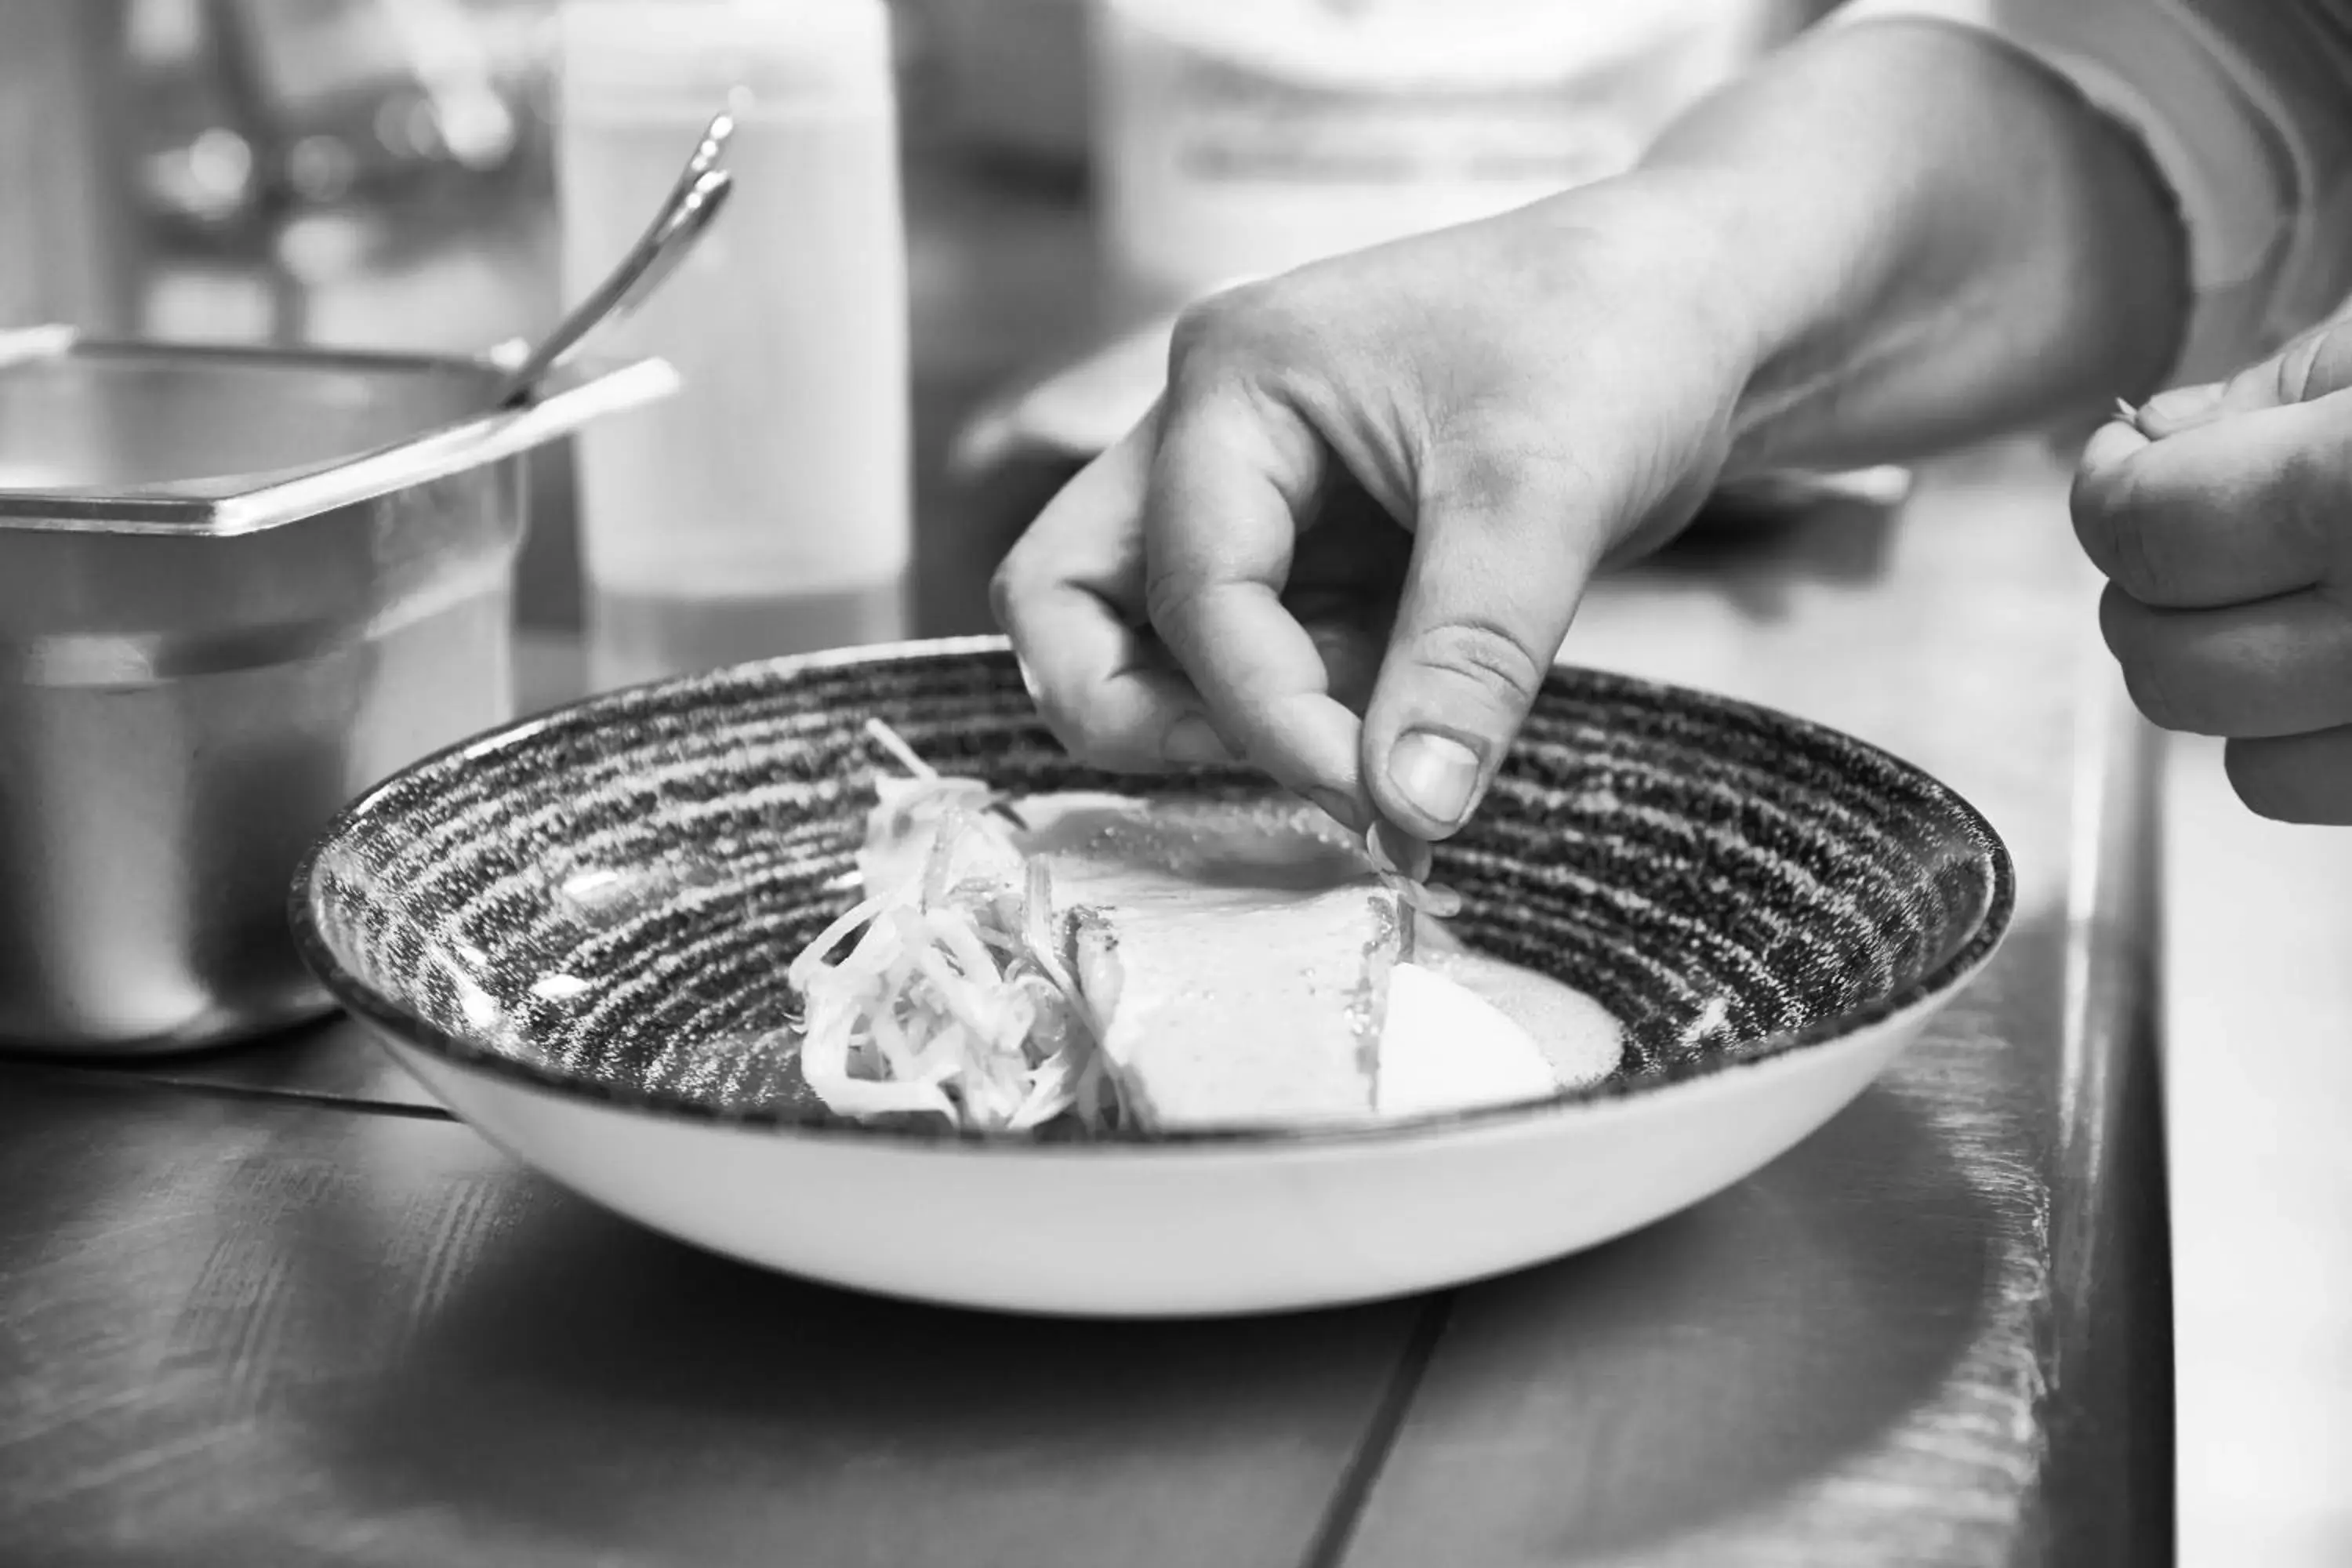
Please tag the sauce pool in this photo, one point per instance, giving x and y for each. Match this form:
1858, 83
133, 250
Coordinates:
1580, 1037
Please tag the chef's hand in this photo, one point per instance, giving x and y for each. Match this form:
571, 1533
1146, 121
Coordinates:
1347, 544
2222, 518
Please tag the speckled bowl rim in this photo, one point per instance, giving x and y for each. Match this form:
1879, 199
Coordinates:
372, 1006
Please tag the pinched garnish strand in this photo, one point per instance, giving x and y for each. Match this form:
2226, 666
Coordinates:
1432, 899
958, 992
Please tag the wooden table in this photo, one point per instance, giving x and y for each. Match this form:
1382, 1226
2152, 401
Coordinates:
271, 1306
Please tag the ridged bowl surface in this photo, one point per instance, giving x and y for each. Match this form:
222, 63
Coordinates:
601, 902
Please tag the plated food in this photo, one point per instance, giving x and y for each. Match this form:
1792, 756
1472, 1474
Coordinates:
645, 943
1096, 962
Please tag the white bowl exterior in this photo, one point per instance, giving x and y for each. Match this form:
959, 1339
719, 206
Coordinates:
1187, 1230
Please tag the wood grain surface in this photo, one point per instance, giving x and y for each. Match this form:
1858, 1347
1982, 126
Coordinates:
238, 1333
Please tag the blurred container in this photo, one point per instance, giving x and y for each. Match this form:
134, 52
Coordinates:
237, 586
766, 511
71, 248
1013, 73
1237, 140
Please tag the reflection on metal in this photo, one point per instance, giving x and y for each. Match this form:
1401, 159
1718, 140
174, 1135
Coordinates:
236, 587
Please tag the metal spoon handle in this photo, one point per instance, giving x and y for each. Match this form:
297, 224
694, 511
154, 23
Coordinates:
695, 199
707, 155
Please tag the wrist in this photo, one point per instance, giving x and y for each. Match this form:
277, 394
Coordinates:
1931, 239
1680, 241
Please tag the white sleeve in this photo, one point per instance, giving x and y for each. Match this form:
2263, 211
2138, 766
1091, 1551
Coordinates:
2245, 107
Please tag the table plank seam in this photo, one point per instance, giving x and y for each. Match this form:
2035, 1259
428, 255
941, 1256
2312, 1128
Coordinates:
129, 1077
1335, 1532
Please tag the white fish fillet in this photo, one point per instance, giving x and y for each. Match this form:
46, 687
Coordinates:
1254, 951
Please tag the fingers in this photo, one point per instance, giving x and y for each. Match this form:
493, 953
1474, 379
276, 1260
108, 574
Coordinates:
1070, 596
1234, 472
2223, 538
2220, 513
2317, 365
1504, 543
2218, 539
2276, 668
2295, 778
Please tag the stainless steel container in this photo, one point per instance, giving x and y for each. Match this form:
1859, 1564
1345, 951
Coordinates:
237, 587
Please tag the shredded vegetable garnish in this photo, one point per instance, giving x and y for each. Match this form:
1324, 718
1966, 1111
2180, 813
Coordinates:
954, 988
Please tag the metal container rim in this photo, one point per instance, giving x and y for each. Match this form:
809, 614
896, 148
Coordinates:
232, 505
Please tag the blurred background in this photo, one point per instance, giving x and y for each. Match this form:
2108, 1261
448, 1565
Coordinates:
381, 174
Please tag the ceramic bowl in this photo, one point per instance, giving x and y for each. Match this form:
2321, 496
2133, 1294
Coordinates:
574, 931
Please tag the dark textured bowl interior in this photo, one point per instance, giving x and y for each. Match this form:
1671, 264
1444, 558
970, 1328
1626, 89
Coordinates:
605, 900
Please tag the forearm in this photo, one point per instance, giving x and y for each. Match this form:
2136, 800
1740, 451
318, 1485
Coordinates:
1929, 239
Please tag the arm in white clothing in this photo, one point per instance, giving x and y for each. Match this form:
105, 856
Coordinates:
1930, 239
2246, 107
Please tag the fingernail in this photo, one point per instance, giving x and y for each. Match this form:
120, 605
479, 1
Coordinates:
1435, 775
2183, 403
1193, 742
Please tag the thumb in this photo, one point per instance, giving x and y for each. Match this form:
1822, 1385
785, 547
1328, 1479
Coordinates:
1503, 547
2311, 366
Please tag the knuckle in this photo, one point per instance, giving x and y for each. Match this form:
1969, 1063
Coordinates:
2315, 364
1200, 327
2093, 511
1486, 657
2152, 696
1209, 327
1490, 468
2292, 369
2122, 530
2177, 690
1229, 331
1025, 568
2101, 506
2141, 567
1170, 600
2331, 362
2134, 637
